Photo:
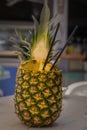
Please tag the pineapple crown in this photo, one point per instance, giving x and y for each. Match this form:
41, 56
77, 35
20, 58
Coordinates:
37, 45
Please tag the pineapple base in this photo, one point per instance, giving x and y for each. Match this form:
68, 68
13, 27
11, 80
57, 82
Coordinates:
38, 97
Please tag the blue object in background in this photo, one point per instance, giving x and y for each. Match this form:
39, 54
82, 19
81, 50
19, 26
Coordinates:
8, 85
1, 70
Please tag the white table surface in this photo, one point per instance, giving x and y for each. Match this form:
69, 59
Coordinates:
73, 116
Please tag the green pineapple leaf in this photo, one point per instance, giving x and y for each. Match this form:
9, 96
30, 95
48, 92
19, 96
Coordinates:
20, 34
35, 24
44, 20
35, 30
40, 39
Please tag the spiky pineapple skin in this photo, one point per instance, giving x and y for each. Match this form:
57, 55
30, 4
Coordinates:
38, 96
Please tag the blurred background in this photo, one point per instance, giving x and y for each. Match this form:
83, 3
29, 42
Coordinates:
18, 14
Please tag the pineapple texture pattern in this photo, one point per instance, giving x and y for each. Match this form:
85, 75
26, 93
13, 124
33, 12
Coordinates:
38, 97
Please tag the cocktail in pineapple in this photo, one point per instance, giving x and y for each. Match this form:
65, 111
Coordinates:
38, 91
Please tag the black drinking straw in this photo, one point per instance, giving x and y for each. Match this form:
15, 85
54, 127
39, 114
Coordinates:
58, 25
64, 46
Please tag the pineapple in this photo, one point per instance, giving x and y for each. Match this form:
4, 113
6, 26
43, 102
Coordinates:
38, 91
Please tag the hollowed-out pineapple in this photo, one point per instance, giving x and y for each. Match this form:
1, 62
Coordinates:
38, 91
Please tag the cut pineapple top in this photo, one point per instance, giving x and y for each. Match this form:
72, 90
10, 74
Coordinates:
33, 65
33, 49
37, 43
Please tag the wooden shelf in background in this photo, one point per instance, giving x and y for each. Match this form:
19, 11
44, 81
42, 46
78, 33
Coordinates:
12, 54
8, 54
73, 56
